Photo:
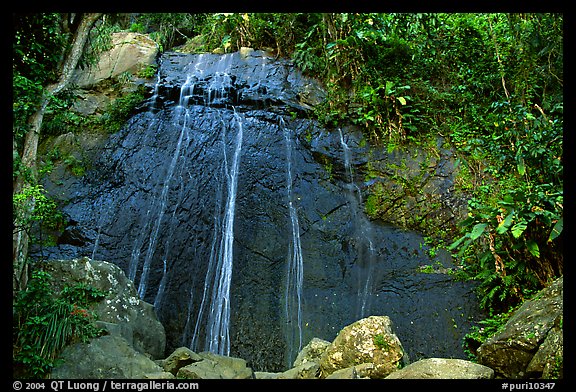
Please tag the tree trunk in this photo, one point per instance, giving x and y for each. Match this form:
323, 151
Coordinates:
20, 238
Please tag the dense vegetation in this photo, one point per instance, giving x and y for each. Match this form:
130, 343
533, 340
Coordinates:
47, 320
490, 84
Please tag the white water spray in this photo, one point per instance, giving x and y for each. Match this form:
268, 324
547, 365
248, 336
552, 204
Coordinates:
216, 295
295, 264
361, 234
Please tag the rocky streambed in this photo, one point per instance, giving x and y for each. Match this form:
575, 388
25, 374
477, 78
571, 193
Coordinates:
133, 344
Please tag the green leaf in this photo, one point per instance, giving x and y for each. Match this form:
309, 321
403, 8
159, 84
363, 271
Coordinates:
521, 167
466, 222
519, 228
556, 230
455, 244
402, 100
505, 224
477, 230
389, 86
533, 248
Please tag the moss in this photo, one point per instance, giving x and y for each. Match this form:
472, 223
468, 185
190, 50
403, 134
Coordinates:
381, 342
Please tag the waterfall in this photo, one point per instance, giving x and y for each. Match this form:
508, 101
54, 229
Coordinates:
167, 248
221, 260
362, 234
158, 207
163, 198
295, 264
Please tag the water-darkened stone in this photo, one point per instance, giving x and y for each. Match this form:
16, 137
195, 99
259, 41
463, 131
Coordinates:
154, 198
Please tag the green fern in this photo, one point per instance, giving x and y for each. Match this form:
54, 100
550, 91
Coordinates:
45, 322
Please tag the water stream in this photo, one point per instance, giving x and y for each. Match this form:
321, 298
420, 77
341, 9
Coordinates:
219, 272
295, 264
362, 235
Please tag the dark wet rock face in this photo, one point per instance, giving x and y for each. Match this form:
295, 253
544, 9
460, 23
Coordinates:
156, 204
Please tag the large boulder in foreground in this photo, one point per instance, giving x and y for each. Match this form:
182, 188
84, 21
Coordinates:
369, 340
443, 368
214, 366
312, 352
121, 313
104, 357
531, 343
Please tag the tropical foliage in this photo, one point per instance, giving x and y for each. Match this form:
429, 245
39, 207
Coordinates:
490, 84
46, 321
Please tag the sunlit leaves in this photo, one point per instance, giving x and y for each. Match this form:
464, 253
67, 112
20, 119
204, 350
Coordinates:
477, 230
533, 248
505, 223
519, 228
556, 230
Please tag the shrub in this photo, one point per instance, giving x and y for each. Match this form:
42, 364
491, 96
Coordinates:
45, 322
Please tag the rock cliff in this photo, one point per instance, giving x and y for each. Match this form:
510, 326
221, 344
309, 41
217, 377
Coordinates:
152, 202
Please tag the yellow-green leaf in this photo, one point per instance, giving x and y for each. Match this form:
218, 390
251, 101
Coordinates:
519, 228
533, 248
505, 224
556, 230
402, 100
477, 230
521, 167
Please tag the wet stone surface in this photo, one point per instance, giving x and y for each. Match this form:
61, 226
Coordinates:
154, 203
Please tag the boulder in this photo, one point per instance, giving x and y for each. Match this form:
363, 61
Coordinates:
266, 375
306, 370
129, 52
159, 376
361, 371
104, 357
443, 368
530, 342
121, 313
311, 352
548, 362
214, 366
181, 357
369, 340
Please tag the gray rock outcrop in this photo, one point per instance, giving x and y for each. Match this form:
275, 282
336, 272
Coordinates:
443, 368
214, 366
129, 52
530, 344
104, 357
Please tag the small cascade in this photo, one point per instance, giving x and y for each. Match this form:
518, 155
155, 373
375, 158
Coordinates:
167, 249
219, 272
155, 94
214, 312
362, 235
295, 264
163, 198
156, 211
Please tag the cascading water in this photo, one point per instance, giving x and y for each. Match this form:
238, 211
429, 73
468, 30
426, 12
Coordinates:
219, 272
362, 235
165, 258
295, 264
184, 114
221, 259
220, 251
156, 210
